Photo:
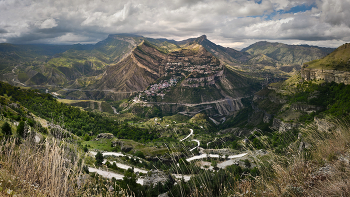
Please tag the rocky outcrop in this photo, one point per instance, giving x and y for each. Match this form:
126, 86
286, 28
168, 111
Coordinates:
105, 135
305, 107
281, 126
126, 148
337, 76
324, 125
155, 176
123, 147
267, 117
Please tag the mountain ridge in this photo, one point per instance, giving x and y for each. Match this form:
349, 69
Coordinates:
89, 67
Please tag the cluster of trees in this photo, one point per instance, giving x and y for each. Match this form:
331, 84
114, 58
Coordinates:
333, 97
73, 119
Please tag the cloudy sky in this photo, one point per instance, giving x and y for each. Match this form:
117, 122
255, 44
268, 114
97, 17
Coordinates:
231, 23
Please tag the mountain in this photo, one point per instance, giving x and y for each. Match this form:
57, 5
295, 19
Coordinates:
228, 55
287, 54
135, 72
337, 60
335, 67
291, 135
183, 72
11, 55
123, 64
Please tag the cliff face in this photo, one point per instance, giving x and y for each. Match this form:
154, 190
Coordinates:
281, 126
134, 73
334, 67
327, 75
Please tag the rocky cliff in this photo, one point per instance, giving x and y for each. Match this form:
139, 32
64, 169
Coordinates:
327, 75
334, 67
135, 72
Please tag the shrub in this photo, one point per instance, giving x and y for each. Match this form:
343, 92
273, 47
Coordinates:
99, 158
20, 129
87, 137
86, 149
6, 129
139, 154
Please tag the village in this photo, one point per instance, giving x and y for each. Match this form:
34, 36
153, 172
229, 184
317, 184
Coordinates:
175, 72
188, 68
159, 89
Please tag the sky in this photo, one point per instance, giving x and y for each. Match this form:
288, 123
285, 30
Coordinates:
230, 23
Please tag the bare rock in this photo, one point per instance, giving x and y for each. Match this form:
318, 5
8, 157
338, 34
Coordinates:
105, 135
117, 143
154, 177
126, 148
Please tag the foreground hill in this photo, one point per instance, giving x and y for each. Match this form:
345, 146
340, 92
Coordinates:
334, 67
337, 60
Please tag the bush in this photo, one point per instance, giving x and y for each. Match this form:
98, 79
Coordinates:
99, 158
139, 154
6, 129
86, 149
247, 163
43, 130
87, 137
20, 129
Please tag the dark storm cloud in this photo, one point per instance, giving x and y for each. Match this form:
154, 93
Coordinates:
229, 22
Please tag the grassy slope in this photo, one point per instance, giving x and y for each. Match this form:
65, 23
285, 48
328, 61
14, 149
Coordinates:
337, 60
287, 54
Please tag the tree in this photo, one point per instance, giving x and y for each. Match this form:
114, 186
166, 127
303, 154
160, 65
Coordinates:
129, 179
214, 164
86, 148
247, 163
139, 154
20, 129
99, 158
87, 137
6, 129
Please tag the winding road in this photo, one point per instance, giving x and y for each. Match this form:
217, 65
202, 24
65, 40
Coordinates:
110, 175
198, 142
188, 135
192, 104
202, 156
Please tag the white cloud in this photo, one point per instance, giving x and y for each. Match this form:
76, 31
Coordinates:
48, 23
231, 22
335, 12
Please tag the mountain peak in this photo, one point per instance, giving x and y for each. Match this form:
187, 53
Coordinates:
203, 37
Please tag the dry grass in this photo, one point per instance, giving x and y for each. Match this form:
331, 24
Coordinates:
52, 168
39, 169
323, 170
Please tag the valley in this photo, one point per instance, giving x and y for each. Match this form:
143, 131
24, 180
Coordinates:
135, 115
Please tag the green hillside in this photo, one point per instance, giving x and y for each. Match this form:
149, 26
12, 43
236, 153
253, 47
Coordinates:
11, 55
337, 60
287, 54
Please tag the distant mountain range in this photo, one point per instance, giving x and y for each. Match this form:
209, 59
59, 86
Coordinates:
124, 64
287, 54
